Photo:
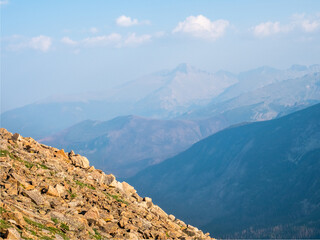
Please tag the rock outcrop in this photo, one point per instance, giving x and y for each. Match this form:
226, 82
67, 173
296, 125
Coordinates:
49, 194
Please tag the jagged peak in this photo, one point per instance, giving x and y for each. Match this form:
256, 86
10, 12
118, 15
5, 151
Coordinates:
184, 68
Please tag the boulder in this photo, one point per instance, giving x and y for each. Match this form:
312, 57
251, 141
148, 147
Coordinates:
109, 179
60, 189
128, 189
111, 227
52, 191
78, 160
171, 217
62, 153
35, 196
12, 234
16, 137
92, 215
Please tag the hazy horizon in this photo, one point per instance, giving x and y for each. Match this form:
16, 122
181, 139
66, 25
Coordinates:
61, 48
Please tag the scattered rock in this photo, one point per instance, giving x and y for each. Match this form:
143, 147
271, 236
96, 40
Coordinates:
85, 203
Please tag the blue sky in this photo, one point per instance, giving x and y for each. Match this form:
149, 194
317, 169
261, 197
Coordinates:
61, 47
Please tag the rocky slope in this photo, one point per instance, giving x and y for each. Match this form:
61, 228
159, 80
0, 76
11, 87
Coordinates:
49, 194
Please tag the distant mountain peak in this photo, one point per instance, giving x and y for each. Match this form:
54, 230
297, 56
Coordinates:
184, 68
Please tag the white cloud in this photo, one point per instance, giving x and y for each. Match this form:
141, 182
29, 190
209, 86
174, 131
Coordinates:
266, 29
68, 41
4, 2
202, 27
298, 22
134, 40
306, 23
125, 21
310, 26
40, 43
104, 40
94, 30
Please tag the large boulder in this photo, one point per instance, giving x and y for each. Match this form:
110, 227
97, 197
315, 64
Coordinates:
78, 160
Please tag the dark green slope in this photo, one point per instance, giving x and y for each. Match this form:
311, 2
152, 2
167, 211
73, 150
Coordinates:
260, 180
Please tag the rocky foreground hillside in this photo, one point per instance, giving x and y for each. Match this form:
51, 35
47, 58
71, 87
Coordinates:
49, 194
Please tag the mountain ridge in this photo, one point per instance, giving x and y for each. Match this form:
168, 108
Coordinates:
259, 180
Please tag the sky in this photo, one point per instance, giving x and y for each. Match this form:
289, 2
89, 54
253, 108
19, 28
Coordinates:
75, 46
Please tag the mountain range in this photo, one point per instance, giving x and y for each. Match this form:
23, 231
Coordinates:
257, 180
182, 92
148, 141
128, 144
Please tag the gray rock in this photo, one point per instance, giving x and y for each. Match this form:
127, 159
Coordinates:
35, 196
16, 137
79, 161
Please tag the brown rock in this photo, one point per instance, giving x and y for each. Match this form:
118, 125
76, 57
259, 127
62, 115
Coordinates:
62, 153
108, 217
92, 215
109, 179
12, 234
60, 189
20, 179
171, 217
35, 196
53, 191
16, 137
189, 232
123, 222
137, 197
149, 217
18, 217
147, 199
111, 227
131, 235
5, 134
11, 189
79, 161
161, 235
128, 189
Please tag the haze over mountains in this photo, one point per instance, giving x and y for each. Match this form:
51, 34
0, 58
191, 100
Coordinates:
260, 180
125, 145
165, 94
150, 131
186, 105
